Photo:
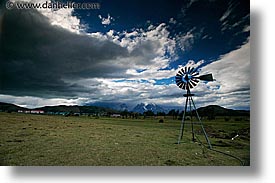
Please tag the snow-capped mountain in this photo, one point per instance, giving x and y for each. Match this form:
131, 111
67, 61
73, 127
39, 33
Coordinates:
141, 108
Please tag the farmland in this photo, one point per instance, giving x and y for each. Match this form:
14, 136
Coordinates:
29, 139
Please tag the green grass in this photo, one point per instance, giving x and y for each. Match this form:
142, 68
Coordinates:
27, 139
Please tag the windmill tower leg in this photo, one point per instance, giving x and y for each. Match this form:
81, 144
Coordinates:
190, 102
191, 119
200, 122
183, 120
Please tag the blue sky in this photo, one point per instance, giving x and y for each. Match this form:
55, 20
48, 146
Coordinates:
127, 51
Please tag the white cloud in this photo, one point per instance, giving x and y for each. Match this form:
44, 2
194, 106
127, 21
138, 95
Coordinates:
172, 21
225, 15
135, 91
227, 22
147, 51
246, 29
186, 40
232, 74
231, 88
232, 70
34, 102
106, 21
187, 6
62, 17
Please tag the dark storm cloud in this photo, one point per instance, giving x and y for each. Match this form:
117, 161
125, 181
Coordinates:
38, 59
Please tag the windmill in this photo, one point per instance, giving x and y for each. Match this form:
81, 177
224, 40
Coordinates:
186, 79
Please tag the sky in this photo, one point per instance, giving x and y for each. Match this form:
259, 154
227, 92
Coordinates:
125, 51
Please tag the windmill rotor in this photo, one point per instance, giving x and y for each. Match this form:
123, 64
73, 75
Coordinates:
188, 77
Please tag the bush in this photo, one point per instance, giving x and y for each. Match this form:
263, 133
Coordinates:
226, 119
238, 119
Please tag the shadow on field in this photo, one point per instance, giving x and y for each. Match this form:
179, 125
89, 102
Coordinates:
254, 170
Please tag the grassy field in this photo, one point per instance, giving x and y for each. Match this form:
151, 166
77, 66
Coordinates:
27, 139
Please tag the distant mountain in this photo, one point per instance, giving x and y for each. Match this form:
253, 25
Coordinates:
216, 110
141, 108
123, 107
76, 109
211, 110
6, 107
114, 105
60, 108
168, 108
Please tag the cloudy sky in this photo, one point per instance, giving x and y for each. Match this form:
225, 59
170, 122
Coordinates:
126, 51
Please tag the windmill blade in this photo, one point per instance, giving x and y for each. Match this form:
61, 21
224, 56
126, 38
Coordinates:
195, 74
192, 69
182, 70
193, 83
187, 86
206, 77
184, 86
178, 78
180, 85
179, 73
195, 80
191, 86
188, 70
178, 81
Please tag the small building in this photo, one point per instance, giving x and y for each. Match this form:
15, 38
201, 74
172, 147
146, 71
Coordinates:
115, 115
37, 112
24, 111
31, 111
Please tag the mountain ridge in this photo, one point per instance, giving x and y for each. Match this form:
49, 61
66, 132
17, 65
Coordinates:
215, 110
142, 107
8, 107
